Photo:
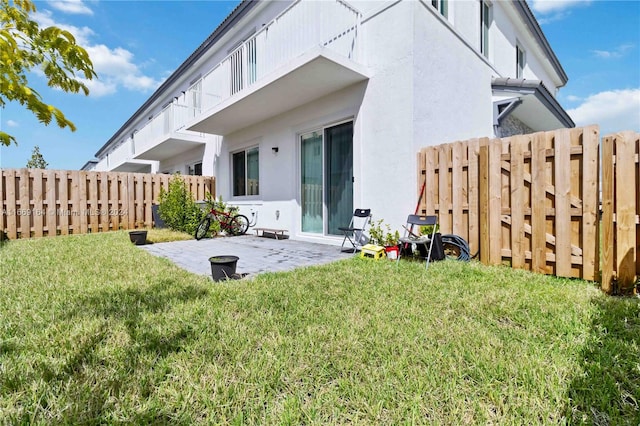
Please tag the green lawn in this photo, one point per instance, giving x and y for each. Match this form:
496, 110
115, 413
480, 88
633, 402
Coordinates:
95, 330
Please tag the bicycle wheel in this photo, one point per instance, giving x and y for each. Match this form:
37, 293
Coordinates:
239, 225
203, 228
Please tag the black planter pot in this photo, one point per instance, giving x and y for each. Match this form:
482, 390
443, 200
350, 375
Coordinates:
157, 220
138, 238
223, 267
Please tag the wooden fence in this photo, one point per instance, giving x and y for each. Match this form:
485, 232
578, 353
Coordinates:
533, 201
38, 203
620, 211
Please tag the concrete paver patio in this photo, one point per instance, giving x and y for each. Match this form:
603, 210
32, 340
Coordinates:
257, 254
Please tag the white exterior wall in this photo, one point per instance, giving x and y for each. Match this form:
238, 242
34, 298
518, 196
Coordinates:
180, 163
387, 115
278, 205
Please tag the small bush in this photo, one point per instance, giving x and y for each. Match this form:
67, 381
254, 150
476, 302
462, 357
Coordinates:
219, 205
177, 207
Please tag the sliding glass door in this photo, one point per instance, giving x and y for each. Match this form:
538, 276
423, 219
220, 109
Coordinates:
327, 179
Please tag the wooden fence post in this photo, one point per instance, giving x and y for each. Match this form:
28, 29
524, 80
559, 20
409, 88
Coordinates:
483, 191
590, 207
625, 196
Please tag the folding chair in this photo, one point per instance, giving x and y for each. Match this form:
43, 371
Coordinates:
412, 236
355, 232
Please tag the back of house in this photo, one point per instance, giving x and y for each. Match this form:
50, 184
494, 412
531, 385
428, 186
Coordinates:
305, 110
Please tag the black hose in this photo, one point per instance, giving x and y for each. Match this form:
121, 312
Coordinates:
460, 243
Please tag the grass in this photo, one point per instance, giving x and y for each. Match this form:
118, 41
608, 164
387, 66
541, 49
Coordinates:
94, 330
156, 235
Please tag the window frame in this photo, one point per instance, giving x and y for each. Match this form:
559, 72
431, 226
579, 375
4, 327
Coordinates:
486, 19
191, 168
246, 186
521, 60
442, 6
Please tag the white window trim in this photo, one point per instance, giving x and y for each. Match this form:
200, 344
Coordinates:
442, 6
485, 38
520, 66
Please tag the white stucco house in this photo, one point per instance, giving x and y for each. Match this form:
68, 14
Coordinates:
305, 110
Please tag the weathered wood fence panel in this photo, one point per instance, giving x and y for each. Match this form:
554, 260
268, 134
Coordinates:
39, 203
620, 211
529, 200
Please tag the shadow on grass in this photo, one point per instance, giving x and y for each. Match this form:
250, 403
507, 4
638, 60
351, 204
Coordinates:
128, 306
607, 389
98, 370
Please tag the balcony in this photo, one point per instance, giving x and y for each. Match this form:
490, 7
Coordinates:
121, 159
165, 136
309, 51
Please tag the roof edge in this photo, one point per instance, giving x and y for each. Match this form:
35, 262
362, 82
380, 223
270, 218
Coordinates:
538, 89
532, 23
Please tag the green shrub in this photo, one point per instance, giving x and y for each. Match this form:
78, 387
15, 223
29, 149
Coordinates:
177, 207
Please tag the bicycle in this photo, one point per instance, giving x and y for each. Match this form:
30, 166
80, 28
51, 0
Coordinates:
233, 224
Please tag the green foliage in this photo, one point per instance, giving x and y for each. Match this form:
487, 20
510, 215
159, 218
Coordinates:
219, 205
25, 48
428, 229
177, 207
380, 233
37, 160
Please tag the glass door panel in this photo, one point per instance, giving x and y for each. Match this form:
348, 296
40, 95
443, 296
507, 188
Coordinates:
339, 176
327, 179
311, 170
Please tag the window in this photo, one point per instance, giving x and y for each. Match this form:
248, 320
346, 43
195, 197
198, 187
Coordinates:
441, 6
195, 169
520, 61
245, 169
485, 24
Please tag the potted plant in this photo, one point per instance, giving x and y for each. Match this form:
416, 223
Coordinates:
391, 243
380, 233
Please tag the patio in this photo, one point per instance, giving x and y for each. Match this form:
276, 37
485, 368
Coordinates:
257, 255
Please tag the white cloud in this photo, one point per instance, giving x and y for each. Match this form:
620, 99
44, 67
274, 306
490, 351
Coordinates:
555, 10
12, 123
573, 98
618, 52
614, 111
76, 7
554, 6
115, 67
81, 34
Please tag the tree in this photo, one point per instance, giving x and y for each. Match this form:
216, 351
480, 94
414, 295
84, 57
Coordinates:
37, 160
24, 47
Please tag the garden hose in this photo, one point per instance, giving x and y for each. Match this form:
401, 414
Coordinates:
459, 244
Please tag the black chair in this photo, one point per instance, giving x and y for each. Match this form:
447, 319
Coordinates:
355, 233
424, 243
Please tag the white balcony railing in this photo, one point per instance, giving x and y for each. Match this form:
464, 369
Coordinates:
171, 120
122, 154
301, 27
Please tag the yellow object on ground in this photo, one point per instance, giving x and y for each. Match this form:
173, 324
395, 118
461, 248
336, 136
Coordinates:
372, 251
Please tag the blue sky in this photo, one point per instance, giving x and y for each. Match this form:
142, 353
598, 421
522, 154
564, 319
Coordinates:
135, 45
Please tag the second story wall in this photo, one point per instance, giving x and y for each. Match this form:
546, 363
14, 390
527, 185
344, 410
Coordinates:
505, 36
